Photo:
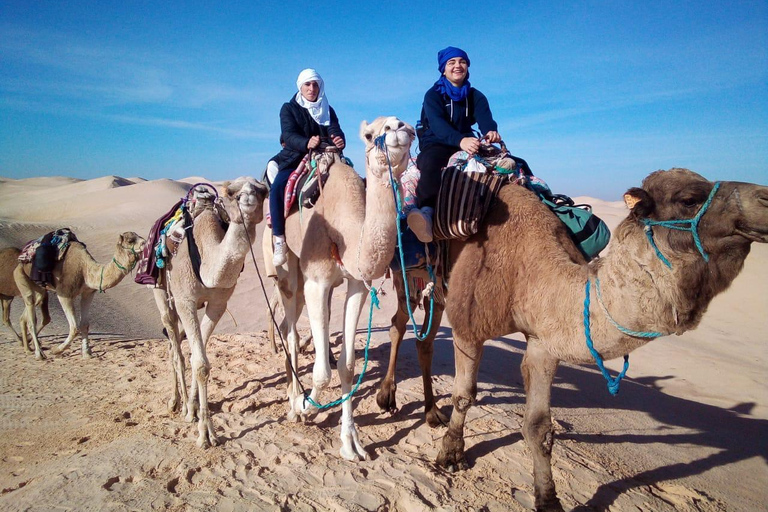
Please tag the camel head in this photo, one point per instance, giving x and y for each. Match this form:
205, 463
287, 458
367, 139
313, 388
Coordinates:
731, 215
244, 195
129, 246
397, 136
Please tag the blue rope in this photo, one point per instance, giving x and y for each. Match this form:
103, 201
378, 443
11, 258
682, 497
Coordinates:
693, 227
636, 334
613, 383
307, 398
381, 144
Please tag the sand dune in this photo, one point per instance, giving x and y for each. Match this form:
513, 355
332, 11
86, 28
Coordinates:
689, 430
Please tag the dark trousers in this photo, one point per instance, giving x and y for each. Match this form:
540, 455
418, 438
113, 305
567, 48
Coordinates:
430, 162
277, 202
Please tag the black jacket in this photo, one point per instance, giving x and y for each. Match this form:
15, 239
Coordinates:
446, 122
296, 128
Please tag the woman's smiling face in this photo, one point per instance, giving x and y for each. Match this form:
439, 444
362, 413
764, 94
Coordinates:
456, 71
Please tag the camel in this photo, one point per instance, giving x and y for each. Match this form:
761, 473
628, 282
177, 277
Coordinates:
179, 293
350, 234
9, 259
521, 273
76, 275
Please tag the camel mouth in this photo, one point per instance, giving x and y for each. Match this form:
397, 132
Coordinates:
753, 235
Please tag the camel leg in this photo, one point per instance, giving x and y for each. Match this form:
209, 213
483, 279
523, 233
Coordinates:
6, 302
274, 300
386, 397
467, 355
351, 447
201, 370
292, 301
84, 327
426, 350
68, 305
29, 321
46, 313
316, 293
538, 370
170, 321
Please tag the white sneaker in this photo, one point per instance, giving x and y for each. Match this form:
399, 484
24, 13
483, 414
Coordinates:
279, 256
420, 222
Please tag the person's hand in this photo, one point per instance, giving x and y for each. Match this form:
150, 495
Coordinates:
470, 145
493, 137
338, 141
313, 142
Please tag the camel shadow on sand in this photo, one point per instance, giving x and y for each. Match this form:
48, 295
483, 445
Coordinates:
731, 433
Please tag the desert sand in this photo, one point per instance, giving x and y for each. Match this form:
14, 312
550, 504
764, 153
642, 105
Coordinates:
688, 431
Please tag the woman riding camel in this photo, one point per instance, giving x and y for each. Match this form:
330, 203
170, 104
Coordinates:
303, 122
450, 109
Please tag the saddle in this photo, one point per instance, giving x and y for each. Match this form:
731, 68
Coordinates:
168, 232
44, 252
469, 184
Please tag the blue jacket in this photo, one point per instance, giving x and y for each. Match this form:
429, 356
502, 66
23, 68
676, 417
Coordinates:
296, 128
446, 122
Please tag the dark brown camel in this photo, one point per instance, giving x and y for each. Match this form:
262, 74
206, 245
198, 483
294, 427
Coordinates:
521, 273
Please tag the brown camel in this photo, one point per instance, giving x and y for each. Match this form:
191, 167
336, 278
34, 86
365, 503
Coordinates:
76, 275
179, 293
521, 273
9, 259
350, 234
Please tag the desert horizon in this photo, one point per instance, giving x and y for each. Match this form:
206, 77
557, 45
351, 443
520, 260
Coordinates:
688, 431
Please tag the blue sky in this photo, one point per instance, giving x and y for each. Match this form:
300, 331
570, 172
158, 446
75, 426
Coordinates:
594, 95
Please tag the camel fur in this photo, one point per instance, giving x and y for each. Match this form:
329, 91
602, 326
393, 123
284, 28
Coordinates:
76, 275
179, 294
521, 273
350, 234
9, 259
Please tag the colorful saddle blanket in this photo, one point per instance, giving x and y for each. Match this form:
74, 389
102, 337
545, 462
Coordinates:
44, 252
59, 239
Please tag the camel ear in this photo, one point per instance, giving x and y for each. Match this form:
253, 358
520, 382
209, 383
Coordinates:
639, 201
364, 134
224, 190
262, 188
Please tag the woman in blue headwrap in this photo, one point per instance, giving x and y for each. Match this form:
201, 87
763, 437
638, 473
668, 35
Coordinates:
450, 108
303, 121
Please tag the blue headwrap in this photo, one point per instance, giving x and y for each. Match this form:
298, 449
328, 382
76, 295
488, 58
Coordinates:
446, 54
443, 85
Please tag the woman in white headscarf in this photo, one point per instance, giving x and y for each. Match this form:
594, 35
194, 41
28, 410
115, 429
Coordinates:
303, 122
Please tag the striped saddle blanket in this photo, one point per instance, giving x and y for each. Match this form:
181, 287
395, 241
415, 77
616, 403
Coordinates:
469, 185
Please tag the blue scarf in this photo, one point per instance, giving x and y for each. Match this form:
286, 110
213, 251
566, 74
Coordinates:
444, 86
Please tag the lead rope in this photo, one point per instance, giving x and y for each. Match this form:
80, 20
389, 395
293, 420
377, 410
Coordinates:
307, 398
380, 143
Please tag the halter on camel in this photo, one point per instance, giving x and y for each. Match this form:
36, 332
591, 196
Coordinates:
693, 227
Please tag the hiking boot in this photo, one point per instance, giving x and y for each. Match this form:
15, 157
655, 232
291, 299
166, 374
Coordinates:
279, 257
420, 222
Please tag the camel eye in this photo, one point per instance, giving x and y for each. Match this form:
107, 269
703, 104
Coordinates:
368, 136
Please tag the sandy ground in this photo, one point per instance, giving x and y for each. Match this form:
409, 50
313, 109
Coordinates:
689, 430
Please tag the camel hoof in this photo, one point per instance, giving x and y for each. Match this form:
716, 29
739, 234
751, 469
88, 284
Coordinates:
40, 356
436, 418
352, 455
551, 505
190, 417
386, 400
173, 406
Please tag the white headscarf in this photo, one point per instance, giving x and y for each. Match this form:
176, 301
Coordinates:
318, 109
